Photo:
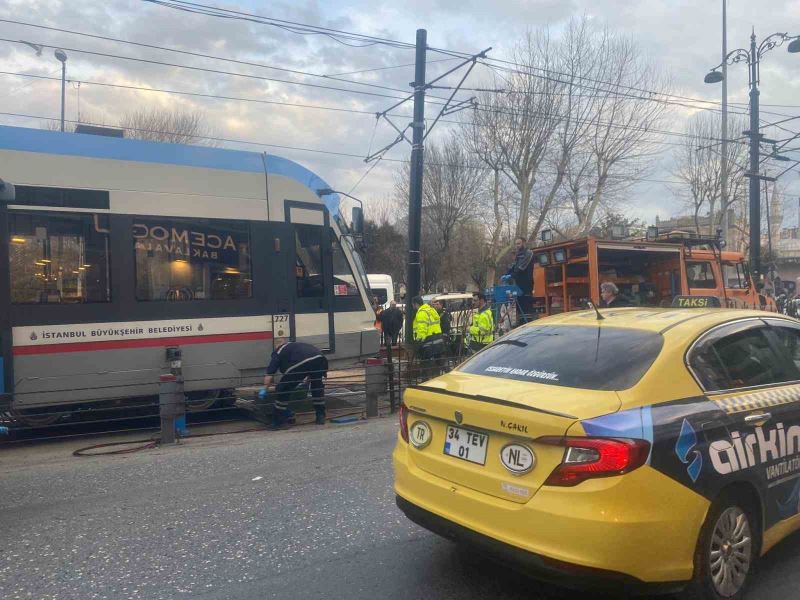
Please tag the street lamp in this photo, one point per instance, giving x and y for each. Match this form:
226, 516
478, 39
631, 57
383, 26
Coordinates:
61, 56
753, 57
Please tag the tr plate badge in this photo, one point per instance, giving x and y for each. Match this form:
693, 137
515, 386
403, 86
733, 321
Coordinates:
420, 434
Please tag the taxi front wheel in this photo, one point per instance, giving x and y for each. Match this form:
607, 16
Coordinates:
725, 551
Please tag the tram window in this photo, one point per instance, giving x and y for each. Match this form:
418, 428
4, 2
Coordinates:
59, 259
48, 196
191, 259
308, 269
700, 275
344, 282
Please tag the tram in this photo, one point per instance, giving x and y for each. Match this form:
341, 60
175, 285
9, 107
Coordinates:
115, 253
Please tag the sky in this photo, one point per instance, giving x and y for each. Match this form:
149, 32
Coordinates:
682, 37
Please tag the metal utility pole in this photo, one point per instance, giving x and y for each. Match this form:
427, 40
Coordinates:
723, 176
415, 185
755, 149
417, 141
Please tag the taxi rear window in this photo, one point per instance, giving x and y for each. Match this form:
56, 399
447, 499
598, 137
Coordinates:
594, 358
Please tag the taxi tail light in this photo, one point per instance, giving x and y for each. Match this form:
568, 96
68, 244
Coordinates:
404, 422
588, 458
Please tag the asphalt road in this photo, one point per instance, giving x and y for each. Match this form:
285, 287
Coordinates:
300, 514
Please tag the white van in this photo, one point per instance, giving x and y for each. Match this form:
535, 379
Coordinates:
382, 288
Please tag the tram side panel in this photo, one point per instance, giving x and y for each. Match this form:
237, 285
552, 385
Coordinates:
66, 375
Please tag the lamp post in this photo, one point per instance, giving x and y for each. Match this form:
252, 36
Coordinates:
752, 57
723, 171
61, 56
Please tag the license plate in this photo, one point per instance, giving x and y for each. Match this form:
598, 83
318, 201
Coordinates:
466, 445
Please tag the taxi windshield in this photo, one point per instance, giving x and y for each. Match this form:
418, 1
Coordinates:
595, 358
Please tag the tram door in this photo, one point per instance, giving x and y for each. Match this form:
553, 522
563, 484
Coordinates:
312, 274
6, 342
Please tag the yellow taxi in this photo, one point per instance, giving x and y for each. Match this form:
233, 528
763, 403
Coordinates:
625, 447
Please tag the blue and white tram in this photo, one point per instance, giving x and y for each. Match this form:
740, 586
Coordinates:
115, 250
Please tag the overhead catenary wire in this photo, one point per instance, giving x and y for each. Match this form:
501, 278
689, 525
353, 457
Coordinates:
299, 83
651, 96
656, 131
353, 111
310, 74
210, 70
304, 149
455, 54
292, 26
332, 77
372, 70
206, 56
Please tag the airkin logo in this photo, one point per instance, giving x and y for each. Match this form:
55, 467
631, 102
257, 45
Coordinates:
687, 440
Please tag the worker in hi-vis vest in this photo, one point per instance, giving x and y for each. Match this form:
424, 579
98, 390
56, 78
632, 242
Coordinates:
428, 339
481, 330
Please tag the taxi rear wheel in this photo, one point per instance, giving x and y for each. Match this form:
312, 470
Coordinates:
726, 550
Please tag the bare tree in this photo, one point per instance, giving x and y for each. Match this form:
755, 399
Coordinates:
175, 126
624, 90
578, 62
512, 131
699, 167
570, 132
453, 185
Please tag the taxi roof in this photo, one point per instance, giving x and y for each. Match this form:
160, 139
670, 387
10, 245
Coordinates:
683, 321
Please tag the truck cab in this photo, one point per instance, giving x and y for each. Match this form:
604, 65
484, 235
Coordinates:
649, 272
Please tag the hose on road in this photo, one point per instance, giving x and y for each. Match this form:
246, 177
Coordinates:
154, 442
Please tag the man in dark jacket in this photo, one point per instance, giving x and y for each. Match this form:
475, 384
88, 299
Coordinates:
521, 271
392, 319
298, 362
445, 318
609, 293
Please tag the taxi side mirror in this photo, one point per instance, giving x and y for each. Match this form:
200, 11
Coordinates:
357, 219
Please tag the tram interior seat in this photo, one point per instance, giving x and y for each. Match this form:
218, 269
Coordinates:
50, 297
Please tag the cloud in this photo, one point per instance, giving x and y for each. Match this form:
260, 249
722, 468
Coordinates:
682, 36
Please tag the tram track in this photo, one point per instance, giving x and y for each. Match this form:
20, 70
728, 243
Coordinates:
143, 416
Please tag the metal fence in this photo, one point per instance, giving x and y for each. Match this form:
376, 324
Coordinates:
351, 393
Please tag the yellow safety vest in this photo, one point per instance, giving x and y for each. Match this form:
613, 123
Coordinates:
482, 328
426, 323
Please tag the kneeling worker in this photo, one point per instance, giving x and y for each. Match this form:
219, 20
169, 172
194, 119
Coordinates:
298, 362
481, 330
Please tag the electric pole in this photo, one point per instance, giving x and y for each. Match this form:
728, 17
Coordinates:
724, 163
415, 185
753, 174
419, 133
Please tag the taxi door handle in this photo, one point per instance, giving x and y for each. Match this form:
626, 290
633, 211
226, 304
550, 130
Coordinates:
758, 419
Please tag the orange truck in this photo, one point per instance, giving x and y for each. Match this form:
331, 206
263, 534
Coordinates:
650, 272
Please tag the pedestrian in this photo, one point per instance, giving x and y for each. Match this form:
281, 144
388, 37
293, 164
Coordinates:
298, 362
392, 319
521, 271
427, 337
609, 293
378, 308
481, 331
445, 318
